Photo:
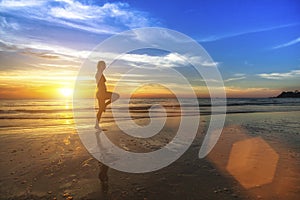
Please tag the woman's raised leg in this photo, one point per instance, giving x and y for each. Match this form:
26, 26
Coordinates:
112, 97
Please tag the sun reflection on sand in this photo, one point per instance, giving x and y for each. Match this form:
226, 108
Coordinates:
252, 162
67, 140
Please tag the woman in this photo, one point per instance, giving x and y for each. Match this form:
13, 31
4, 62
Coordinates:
103, 96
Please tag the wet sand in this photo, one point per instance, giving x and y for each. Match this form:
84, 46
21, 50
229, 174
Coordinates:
257, 157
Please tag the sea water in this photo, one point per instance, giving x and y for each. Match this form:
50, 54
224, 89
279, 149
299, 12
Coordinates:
56, 115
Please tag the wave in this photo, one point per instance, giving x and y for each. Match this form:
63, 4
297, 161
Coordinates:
144, 115
142, 106
139, 109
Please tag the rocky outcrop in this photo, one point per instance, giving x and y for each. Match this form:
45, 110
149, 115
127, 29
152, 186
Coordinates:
289, 94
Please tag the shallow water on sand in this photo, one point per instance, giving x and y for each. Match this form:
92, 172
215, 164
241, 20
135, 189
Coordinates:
58, 114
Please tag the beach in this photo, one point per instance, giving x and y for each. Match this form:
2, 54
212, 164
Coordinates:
149, 100
256, 157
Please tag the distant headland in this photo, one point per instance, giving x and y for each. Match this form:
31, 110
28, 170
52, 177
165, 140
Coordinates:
289, 94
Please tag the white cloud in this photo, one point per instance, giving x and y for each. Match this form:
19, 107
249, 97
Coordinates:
27, 36
43, 50
210, 64
280, 76
295, 41
201, 61
4, 24
258, 30
239, 74
169, 60
235, 79
20, 3
108, 18
76, 10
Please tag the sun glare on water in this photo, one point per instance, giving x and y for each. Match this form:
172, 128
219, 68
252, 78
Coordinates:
66, 92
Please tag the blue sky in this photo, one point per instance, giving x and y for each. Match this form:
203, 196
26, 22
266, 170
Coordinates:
255, 43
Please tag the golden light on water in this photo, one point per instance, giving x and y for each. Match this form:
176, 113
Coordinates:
66, 92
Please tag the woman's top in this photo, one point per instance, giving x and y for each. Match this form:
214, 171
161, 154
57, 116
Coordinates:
101, 92
101, 85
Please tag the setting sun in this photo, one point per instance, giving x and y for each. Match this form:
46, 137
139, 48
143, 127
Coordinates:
66, 92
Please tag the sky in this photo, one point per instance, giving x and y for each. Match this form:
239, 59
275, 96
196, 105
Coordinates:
43, 44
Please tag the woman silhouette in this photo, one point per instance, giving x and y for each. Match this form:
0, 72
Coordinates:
102, 94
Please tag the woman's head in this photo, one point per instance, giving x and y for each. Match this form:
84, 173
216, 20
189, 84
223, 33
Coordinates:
101, 66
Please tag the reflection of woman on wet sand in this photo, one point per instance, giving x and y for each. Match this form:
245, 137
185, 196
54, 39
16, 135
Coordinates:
103, 176
103, 96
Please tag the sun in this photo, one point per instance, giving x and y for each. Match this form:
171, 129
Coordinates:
66, 92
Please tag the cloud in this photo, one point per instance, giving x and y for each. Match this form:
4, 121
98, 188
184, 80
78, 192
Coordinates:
234, 79
4, 24
34, 57
161, 61
281, 76
169, 60
295, 41
254, 92
42, 50
258, 30
117, 11
201, 61
30, 27
20, 3
108, 18
48, 51
239, 74
42, 55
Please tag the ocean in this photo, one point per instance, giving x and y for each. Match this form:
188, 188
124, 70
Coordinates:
36, 115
